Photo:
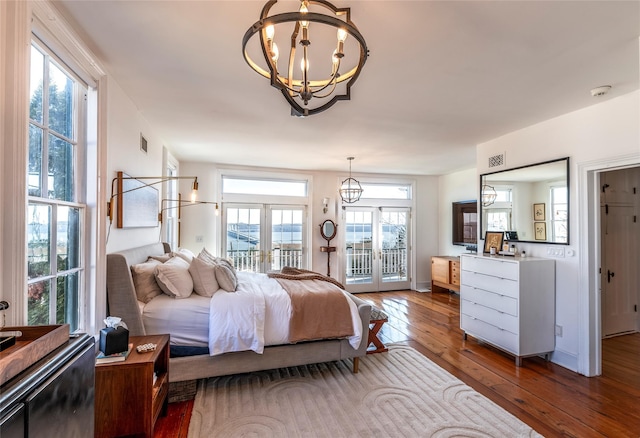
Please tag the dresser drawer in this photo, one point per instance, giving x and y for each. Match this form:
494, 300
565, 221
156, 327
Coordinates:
484, 331
500, 303
455, 274
490, 315
497, 267
502, 286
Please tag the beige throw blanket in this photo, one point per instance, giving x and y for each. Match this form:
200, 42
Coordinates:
319, 309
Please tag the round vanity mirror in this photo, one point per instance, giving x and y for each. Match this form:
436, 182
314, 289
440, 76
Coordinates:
328, 230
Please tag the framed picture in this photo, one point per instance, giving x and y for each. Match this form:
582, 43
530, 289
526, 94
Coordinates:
540, 230
138, 207
538, 212
493, 239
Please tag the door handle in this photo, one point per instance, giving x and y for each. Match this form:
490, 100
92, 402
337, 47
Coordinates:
609, 276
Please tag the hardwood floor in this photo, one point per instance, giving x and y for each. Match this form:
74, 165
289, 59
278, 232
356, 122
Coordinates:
551, 399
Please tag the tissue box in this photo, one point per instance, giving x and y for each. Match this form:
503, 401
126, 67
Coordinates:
114, 340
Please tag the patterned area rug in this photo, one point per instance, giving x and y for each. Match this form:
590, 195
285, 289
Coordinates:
400, 393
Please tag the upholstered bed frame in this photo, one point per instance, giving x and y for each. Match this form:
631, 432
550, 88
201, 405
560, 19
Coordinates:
122, 302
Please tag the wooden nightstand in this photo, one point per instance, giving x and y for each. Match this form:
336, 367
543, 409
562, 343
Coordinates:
127, 400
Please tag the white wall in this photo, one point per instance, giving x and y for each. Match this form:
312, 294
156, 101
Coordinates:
600, 132
457, 186
324, 184
124, 126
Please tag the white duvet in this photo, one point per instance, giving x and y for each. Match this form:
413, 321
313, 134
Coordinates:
255, 316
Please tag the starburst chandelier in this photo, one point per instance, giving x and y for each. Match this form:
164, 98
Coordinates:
310, 91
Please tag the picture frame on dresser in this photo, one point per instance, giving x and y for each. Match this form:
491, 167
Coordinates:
493, 239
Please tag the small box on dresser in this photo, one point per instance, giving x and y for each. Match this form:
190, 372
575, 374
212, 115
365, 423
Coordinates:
509, 302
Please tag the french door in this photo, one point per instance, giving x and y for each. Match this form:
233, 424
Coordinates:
376, 249
264, 237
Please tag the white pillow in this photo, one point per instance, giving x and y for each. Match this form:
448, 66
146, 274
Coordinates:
204, 277
174, 279
207, 256
185, 254
144, 280
226, 276
225, 272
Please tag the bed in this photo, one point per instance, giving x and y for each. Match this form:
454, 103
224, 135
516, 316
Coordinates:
191, 344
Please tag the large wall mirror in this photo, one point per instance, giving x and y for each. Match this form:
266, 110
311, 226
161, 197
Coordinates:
529, 203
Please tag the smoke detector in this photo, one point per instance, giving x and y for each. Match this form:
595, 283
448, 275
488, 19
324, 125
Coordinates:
600, 91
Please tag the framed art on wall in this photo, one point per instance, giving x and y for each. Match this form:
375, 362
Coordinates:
138, 207
540, 230
493, 239
539, 212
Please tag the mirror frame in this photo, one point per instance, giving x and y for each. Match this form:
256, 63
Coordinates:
335, 230
546, 242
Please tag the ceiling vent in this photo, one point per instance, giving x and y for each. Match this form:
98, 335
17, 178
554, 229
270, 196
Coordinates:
496, 161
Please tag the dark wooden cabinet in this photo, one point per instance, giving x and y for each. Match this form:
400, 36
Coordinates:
131, 395
445, 274
54, 397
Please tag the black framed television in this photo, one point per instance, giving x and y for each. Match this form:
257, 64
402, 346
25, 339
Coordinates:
465, 223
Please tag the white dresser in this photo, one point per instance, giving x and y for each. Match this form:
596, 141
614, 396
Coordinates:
509, 302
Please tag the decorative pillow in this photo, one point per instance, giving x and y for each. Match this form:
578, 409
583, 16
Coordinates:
226, 277
174, 279
204, 277
144, 280
184, 254
207, 256
161, 258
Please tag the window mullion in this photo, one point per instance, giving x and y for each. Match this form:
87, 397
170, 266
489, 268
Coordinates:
44, 172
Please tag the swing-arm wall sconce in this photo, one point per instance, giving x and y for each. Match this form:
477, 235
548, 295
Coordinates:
117, 189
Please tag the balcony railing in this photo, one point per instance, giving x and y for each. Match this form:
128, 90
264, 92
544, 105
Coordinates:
360, 262
251, 260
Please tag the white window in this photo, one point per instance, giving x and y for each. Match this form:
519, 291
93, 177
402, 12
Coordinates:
498, 215
385, 191
263, 186
56, 176
560, 208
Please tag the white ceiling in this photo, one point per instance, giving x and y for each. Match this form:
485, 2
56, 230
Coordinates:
442, 76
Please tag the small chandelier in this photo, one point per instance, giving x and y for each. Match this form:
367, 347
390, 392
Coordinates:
488, 194
350, 189
305, 89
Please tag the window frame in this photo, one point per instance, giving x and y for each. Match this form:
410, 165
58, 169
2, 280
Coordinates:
78, 140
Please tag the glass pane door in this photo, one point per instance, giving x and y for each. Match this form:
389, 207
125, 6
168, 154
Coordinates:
261, 238
394, 228
359, 254
244, 237
286, 246
376, 249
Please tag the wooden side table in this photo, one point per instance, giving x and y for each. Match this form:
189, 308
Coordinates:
130, 395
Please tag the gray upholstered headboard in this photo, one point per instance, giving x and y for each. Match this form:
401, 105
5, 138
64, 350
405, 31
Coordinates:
121, 294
